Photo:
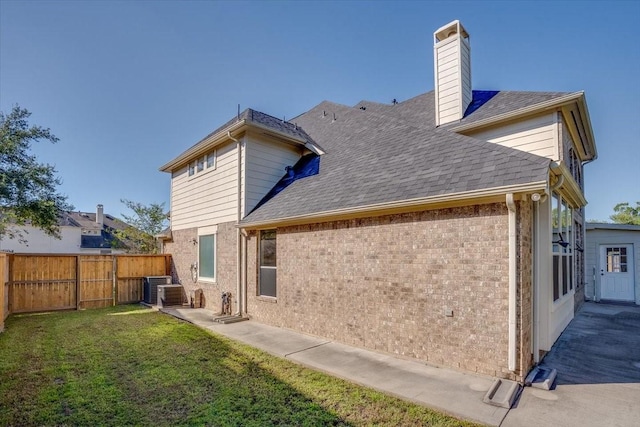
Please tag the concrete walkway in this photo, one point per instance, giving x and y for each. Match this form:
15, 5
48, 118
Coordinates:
597, 358
598, 384
448, 391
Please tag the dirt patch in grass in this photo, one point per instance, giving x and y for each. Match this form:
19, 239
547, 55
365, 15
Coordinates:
128, 365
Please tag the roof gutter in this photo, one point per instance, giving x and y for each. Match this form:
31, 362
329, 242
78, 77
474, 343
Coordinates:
572, 191
225, 134
298, 141
402, 205
546, 105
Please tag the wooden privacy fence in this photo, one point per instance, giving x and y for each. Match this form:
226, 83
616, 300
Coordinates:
4, 291
62, 282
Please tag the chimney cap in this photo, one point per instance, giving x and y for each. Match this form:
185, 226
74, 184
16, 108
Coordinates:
446, 31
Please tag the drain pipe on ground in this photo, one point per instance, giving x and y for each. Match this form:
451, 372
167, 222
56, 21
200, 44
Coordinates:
239, 217
511, 206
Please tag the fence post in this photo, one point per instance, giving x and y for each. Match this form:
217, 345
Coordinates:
114, 275
78, 283
3, 267
10, 280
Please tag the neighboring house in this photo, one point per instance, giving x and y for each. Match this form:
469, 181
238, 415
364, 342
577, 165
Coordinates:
613, 262
80, 233
442, 228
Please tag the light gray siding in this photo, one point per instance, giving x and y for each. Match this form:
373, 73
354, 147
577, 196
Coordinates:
265, 165
536, 135
211, 196
452, 79
208, 197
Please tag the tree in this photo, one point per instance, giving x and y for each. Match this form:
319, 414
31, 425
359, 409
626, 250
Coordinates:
626, 214
146, 223
28, 189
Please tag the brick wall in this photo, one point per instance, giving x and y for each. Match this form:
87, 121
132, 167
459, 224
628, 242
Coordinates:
386, 283
184, 252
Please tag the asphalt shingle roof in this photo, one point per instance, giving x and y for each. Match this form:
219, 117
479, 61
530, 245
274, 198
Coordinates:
259, 118
420, 110
392, 153
87, 220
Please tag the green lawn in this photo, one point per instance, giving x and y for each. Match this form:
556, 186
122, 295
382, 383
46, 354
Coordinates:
129, 365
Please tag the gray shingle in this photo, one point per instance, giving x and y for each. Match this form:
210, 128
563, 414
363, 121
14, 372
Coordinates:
257, 117
381, 155
420, 110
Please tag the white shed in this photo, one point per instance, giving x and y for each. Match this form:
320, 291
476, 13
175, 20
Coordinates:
613, 262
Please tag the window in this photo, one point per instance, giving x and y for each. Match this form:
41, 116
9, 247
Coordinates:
211, 160
207, 161
207, 257
267, 285
617, 260
575, 167
563, 247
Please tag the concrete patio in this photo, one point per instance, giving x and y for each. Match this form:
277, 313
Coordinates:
598, 362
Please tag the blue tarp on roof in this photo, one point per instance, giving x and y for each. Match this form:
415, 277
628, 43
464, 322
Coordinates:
480, 97
308, 165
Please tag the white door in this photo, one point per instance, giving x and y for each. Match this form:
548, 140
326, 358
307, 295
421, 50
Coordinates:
616, 272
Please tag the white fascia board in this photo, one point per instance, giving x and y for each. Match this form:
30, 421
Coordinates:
222, 136
202, 146
532, 109
571, 188
586, 119
288, 138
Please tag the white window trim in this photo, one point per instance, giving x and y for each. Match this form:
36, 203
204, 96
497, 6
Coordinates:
215, 161
205, 169
562, 300
260, 267
562, 203
208, 231
211, 229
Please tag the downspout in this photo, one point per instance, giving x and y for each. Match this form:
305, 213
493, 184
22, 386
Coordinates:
584, 239
511, 206
238, 218
244, 269
557, 184
535, 300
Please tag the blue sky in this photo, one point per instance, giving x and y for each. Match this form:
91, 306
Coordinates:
127, 86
